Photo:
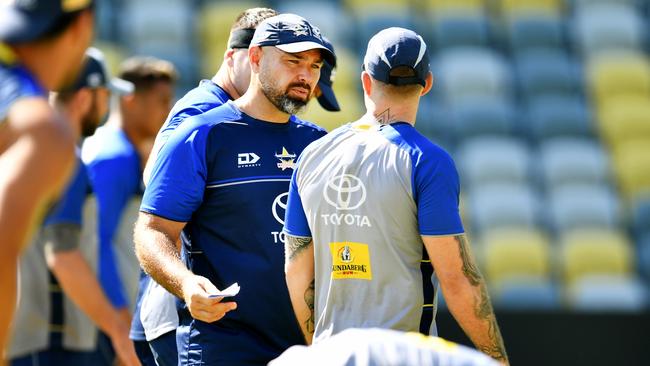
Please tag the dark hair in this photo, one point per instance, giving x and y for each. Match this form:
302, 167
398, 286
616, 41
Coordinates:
251, 18
144, 72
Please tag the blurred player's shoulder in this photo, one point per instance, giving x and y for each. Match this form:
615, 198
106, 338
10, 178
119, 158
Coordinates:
204, 97
16, 86
109, 143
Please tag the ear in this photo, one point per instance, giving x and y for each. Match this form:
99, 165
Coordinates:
428, 84
227, 57
255, 57
366, 82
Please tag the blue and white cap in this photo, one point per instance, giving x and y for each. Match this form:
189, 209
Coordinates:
291, 33
28, 20
394, 47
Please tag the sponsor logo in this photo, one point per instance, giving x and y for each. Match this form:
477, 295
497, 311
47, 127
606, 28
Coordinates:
345, 192
300, 30
278, 208
287, 161
345, 254
247, 160
350, 261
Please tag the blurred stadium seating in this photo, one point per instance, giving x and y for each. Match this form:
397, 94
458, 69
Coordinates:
544, 104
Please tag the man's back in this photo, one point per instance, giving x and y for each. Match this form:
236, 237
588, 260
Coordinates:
364, 187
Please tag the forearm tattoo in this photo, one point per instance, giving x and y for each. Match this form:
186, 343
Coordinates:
309, 300
483, 307
295, 245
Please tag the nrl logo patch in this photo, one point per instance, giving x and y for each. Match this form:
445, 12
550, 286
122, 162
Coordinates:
287, 161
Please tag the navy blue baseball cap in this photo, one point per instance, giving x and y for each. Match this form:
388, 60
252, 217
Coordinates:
28, 20
394, 47
291, 33
94, 74
327, 99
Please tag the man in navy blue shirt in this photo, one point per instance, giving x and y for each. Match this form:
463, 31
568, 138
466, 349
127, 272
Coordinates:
155, 319
154, 324
221, 179
42, 43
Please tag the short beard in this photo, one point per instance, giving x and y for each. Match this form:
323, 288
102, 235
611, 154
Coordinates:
281, 101
91, 120
289, 105
88, 125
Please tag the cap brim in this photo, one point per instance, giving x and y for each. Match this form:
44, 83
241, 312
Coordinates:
306, 46
121, 86
17, 27
327, 99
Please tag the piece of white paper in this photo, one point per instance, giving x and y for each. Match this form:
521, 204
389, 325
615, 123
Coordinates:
229, 292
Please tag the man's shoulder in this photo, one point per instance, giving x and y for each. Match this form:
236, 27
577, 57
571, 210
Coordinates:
206, 96
108, 144
300, 123
15, 85
418, 145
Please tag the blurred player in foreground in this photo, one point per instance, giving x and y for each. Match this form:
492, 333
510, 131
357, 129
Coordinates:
364, 202
42, 43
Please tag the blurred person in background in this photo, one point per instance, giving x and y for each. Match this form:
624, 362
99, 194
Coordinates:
60, 296
115, 157
155, 318
221, 180
364, 202
42, 44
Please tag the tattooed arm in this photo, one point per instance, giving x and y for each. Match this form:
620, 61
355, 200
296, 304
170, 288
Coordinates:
299, 270
465, 292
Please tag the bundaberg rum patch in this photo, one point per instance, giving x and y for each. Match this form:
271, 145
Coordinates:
350, 260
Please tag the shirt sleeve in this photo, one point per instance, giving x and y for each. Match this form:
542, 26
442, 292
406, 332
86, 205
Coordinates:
437, 190
295, 220
114, 182
61, 238
179, 174
70, 205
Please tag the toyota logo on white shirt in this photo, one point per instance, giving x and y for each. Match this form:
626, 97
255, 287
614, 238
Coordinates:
345, 192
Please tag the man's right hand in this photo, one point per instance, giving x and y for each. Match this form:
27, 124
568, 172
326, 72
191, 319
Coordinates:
196, 293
